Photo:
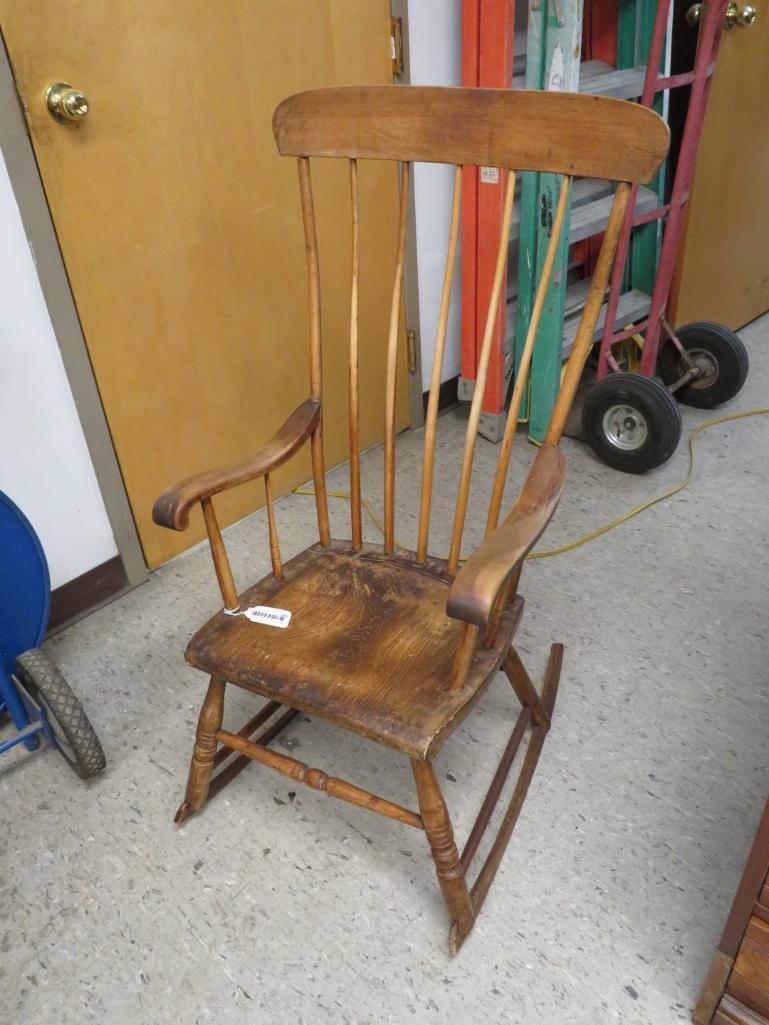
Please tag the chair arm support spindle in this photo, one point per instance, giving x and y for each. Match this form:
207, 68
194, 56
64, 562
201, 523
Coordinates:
172, 509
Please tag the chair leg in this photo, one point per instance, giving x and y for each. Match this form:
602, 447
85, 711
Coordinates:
202, 764
440, 835
522, 684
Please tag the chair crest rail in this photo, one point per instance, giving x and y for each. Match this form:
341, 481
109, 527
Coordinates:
593, 136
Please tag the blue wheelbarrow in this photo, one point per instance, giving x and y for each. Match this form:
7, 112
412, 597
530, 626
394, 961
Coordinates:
33, 693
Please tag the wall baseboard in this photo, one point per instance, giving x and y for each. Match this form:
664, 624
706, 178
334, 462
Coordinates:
86, 593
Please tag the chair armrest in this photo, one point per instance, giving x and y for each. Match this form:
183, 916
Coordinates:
478, 583
172, 509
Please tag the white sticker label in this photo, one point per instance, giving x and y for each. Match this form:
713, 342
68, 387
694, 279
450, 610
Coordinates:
490, 175
269, 616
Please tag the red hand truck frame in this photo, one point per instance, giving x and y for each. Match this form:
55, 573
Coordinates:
632, 421
712, 17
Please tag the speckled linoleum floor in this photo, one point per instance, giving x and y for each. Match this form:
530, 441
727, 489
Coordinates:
279, 905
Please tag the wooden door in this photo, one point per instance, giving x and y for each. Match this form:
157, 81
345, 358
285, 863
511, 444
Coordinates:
181, 227
723, 269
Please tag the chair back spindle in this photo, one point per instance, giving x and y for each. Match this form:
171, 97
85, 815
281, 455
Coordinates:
480, 379
431, 417
392, 365
355, 500
316, 371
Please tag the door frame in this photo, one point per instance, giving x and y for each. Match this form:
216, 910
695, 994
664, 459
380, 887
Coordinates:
36, 217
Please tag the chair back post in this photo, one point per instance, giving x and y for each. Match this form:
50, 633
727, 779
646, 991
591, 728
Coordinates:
522, 370
316, 371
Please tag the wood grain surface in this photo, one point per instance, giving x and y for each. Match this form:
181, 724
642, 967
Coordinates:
520, 129
369, 645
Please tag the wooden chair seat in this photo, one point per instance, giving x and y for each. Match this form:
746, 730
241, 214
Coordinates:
369, 645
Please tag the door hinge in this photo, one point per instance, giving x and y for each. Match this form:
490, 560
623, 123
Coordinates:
411, 349
396, 45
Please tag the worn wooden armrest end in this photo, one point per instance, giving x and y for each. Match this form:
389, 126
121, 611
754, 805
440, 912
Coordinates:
477, 585
172, 509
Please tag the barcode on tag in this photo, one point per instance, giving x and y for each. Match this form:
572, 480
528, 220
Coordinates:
269, 616
490, 175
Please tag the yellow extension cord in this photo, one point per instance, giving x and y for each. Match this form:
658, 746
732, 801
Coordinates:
600, 530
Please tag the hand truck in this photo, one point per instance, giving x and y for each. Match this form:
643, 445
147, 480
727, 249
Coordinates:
631, 420
33, 693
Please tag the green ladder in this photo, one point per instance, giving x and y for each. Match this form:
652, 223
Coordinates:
553, 47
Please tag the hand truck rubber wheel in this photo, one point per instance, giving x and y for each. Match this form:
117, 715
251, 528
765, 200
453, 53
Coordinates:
721, 357
44, 684
632, 423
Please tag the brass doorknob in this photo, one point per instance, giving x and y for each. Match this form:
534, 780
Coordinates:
693, 14
742, 17
66, 104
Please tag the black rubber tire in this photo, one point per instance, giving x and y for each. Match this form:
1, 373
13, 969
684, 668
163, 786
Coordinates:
725, 350
659, 410
79, 745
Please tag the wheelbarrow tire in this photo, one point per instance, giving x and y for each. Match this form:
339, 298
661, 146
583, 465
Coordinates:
721, 355
631, 422
78, 743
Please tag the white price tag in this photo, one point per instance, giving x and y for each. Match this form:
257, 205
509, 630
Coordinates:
268, 616
490, 175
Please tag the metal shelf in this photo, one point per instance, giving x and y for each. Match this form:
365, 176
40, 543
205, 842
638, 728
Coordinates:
591, 200
602, 79
584, 191
633, 306
590, 218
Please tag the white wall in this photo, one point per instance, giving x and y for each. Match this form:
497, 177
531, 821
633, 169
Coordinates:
45, 467
435, 57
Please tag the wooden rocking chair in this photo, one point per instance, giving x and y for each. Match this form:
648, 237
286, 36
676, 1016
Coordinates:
399, 647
